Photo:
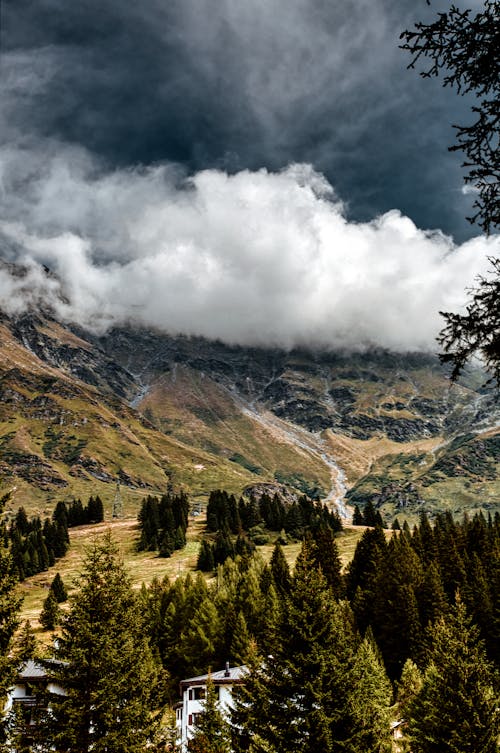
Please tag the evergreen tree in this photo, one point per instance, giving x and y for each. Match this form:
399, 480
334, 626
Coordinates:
59, 589
357, 518
108, 670
212, 731
50, 614
327, 557
238, 649
205, 561
26, 643
280, 569
10, 603
303, 698
408, 687
456, 710
369, 701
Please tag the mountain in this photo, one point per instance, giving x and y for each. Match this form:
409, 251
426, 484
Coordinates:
80, 412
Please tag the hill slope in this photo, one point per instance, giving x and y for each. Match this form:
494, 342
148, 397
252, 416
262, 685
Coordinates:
80, 412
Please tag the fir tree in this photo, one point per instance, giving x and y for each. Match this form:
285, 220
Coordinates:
408, 687
50, 614
357, 518
59, 589
280, 569
456, 710
303, 698
328, 558
26, 643
10, 603
205, 561
108, 674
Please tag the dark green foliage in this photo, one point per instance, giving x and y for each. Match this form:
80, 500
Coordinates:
223, 513
280, 570
10, 603
400, 588
456, 710
326, 556
50, 614
205, 560
296, 518
464, 47
321, 689
357, 518
109, 674
35, 547
58, 588
26, 643
163, 523
78, 514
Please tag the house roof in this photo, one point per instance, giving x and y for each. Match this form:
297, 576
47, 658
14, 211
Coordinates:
223, 676
31, 670
36, 670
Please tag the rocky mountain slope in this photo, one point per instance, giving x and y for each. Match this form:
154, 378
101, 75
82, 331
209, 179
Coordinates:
79, 413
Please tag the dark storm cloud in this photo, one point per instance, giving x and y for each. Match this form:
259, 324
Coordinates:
236, 84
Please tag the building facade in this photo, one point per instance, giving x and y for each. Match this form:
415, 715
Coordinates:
30, 693
193, 692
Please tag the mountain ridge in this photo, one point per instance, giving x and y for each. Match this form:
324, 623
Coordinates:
149, 409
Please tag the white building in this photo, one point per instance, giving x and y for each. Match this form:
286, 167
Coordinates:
193, 693
30, 689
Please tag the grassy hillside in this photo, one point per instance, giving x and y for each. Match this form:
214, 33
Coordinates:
142, 566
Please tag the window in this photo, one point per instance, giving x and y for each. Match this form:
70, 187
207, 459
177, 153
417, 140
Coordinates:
197, 693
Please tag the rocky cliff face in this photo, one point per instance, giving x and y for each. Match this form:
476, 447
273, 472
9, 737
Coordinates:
79, 410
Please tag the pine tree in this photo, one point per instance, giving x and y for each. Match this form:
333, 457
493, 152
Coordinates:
308, 695
108, 670
59, 589
357, 518
280, 569
50, 614
328, 558
456, 710
10, 603
408, 687
212, 731
26, 643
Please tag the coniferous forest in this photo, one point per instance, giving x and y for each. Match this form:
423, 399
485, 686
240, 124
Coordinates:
408, 632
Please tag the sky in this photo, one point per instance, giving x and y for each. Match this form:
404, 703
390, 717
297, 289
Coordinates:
261, 171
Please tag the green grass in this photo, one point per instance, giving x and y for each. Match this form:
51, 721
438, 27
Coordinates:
143, 567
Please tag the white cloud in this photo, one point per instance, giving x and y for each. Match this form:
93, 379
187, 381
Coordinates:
252, 258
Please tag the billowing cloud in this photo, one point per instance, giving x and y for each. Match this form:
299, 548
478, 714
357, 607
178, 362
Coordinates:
238, 84
257, 257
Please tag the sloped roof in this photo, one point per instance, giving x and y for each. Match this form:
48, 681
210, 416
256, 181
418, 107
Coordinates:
31, 670
229, 675
36, 670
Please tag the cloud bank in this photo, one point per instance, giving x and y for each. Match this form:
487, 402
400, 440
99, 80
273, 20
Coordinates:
237, 84
257, 257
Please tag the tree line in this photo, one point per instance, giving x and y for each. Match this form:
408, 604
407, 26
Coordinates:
398, 587
413, 608
163, 523
316, 679
252, 521
35, 545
